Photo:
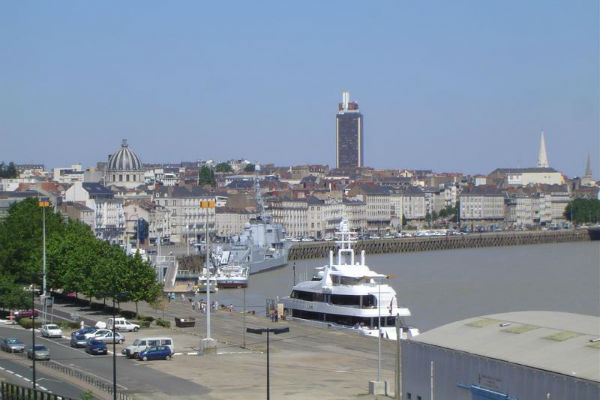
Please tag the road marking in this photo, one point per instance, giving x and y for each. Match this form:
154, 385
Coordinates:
18, 376
235, 352
27, 379
69, 347
2, 368
10, 372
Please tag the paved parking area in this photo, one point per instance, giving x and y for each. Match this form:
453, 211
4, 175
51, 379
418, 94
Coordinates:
307, 362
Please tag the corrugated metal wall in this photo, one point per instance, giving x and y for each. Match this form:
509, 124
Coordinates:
453, 367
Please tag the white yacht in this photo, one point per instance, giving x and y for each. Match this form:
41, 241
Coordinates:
347, 294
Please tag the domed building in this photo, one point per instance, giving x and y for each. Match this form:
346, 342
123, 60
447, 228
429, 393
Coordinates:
124, 168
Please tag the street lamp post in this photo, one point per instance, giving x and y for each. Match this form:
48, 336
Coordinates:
208, 342
114, 339
44, 205
379, 334
33, 339
379, 279
259, 331
32, 287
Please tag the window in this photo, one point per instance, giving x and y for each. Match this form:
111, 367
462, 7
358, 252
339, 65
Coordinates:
408, 396
120, 178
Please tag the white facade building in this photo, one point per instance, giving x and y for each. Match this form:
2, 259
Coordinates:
187, 219
109, 218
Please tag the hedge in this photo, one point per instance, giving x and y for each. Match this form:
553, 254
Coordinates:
26, 323
163, 322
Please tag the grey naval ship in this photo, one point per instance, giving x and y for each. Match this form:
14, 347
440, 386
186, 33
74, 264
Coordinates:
261, 245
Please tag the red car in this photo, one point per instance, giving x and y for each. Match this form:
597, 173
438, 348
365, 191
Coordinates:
26, 313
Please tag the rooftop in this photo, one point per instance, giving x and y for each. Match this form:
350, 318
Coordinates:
552, 341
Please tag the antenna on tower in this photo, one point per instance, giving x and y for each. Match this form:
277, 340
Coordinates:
542, 161
345, 100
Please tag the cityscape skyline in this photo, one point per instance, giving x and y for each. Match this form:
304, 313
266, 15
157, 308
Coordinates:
464, 87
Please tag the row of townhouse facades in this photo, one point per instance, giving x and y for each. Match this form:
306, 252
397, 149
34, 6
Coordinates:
487, 207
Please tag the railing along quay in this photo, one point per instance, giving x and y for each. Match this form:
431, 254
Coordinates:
301, 251
100, 383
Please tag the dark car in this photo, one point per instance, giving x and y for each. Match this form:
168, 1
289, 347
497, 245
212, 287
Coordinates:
26, 314
39, 352
78, 340
95, 347
87, 331
12, 345
155, 353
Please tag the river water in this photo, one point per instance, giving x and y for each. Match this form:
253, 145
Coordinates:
444, 286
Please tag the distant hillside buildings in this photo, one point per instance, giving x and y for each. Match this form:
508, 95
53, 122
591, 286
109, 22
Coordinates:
308, 200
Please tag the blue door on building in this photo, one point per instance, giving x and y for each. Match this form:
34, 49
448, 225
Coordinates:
480, 393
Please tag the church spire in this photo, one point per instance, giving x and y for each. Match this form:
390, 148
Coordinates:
588, 168
542, 161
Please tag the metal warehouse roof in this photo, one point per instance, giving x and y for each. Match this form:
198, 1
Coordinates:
552, 341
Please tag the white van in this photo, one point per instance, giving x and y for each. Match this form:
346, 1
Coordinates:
121, 324
140, 344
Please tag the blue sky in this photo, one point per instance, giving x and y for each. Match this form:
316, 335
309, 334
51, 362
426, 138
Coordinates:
447, 85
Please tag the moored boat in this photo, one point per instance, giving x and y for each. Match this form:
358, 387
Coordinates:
347, 294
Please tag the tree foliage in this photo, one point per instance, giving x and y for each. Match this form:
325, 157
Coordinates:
249, 168
580, 211
8, 171
223, 167
448, 212
206, 176
76, 261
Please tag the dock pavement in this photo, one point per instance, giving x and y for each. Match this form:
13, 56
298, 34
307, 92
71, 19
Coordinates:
308, 362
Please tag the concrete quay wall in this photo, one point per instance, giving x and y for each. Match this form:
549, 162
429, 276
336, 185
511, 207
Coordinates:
302, 251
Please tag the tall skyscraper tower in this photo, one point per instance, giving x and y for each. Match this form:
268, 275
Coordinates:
348, 134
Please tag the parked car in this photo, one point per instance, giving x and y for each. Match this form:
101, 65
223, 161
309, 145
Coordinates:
26, 314
51, 330
140, 344
122, 324
94, 346
39, 352
87, 331
78, 340
155, 353
12, 345
106, 336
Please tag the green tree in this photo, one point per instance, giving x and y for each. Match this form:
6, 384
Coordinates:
21, 248
206, 177
580, 211
8, 171
21, 237
249, 168
141, 283
223, 167
71, 257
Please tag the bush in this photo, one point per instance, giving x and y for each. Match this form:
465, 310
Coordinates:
163, 322
143, 323
127, 314
69, 325
26, 323
146, 318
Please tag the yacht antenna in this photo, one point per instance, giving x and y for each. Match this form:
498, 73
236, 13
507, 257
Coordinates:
345, 242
